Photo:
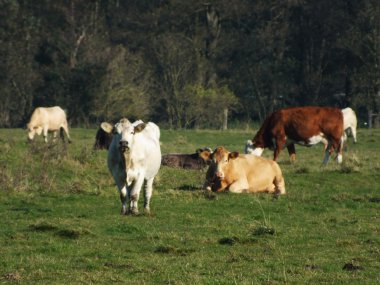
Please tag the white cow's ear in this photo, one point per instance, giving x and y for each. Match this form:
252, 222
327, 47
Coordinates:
107, 127
139, 127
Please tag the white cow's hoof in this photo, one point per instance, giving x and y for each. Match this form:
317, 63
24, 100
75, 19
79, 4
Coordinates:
147, 211
133, 212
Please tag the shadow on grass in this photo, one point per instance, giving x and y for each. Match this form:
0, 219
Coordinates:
188, 187
42, 227
171, 250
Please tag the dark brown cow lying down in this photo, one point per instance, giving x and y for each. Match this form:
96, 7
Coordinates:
305, 126
186, 161
103, 138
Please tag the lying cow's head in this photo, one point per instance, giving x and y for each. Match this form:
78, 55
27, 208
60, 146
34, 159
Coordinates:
124, 131
217, 160
252, 148
220, 158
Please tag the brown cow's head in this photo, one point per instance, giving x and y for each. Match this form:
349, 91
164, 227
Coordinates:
215, 175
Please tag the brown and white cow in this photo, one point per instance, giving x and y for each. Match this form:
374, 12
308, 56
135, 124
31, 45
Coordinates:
242, 173
350, 123
49, 119
305, 126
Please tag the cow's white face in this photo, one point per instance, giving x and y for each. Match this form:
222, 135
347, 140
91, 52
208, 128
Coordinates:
251, 149
32, 131
126, 132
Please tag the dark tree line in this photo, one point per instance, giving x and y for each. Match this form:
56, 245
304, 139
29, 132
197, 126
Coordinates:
187, 64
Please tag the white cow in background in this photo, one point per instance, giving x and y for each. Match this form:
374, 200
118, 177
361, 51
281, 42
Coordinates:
349, 125
134, 157
349, 122
50, 119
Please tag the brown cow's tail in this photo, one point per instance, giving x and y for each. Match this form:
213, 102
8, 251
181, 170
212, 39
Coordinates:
279, 181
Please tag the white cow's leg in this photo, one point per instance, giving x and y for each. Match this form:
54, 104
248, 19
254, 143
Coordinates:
353, 131
45, 134
54, 136
135, 194
339, 151
148, 194
123, 199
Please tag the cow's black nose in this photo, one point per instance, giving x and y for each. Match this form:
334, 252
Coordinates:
123, 144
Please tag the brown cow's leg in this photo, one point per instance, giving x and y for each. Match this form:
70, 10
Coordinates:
292, 152
280, 143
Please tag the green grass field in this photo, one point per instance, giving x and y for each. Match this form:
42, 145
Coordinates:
60, 222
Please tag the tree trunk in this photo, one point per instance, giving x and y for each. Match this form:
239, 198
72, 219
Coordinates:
225, 119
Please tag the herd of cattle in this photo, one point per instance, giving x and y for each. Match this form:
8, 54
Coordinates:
134, 153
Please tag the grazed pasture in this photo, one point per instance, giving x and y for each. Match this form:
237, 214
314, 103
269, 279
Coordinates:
60, 222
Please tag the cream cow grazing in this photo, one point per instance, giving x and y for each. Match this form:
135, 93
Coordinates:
47, 119
134, 158
242, 173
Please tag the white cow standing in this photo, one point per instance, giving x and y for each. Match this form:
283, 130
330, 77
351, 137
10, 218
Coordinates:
47, 119
349, 122
134, 157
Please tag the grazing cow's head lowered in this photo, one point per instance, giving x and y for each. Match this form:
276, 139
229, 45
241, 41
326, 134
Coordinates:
46, 120
305, 126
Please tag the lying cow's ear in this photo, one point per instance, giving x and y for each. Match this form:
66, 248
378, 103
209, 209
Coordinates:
233, 155
107, 127
140, 127
205, 155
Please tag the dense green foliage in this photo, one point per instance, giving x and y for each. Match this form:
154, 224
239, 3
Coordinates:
60, 222
185, 63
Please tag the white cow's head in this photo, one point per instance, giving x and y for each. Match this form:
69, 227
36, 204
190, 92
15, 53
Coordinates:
33, 130
250, 148
124, 132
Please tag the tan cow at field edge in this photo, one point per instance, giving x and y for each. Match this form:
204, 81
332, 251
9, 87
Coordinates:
49, 119
242, 173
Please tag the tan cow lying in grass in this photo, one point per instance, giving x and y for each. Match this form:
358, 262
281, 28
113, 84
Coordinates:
242, 173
